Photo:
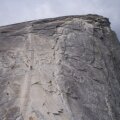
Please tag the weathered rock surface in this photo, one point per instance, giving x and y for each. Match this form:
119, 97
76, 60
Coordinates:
65, 68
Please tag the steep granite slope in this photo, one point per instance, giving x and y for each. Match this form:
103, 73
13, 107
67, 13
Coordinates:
65, 68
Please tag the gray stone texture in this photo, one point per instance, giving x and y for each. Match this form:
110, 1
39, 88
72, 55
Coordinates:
65, 68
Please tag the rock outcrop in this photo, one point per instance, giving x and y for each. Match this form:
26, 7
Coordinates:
65, 68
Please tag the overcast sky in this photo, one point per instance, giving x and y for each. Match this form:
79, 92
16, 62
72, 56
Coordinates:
14, 11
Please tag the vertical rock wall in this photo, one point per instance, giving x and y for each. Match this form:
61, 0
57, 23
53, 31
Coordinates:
65, 68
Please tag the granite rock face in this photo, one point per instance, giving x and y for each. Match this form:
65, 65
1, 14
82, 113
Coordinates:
65, 68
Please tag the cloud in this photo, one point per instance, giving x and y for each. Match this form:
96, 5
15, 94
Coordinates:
44, 11
23, 10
